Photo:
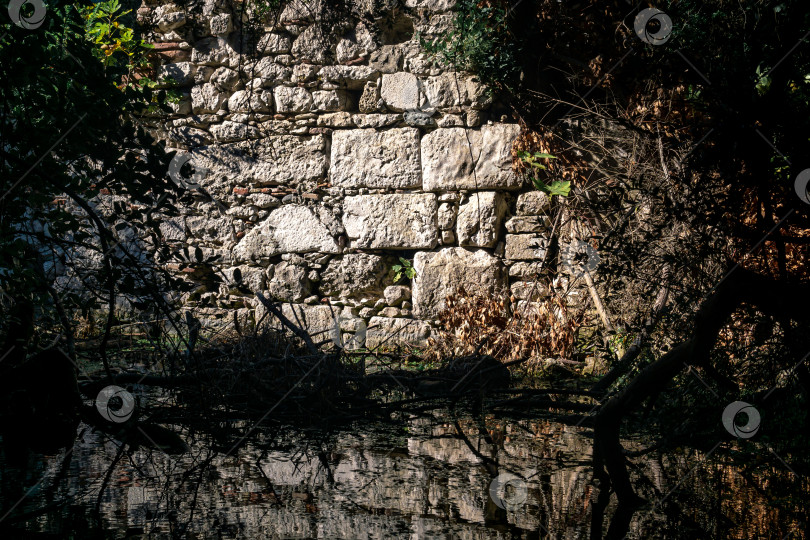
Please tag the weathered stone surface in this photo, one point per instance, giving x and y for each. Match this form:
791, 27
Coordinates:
527, 224
289, 283
396, 294
351, 77
234, 131
181, 73
450, 161
221, 24
400, 91
250, 101
354, 274
479, 219
432, 5
378, 159
444, 272
249, 276
386, 59
207, 99
318, 321
385, 332
455, 90
525, 270
311, 46
391, 221
525, 246
447, 216
169, 17
370, 101
278, 159
377, 121
266, 72
532, 203
528, 290
330, 100
292, 99
357, 44
289, 229
214, 51
225, 79
274, 44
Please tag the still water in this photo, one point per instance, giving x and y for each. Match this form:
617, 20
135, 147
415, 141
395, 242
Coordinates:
444, 474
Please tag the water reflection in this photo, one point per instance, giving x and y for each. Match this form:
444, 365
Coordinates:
427, 477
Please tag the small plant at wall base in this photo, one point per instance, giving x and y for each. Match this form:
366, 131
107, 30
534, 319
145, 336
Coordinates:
404, 269
532, 160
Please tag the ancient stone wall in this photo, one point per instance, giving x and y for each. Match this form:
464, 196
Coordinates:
332, 147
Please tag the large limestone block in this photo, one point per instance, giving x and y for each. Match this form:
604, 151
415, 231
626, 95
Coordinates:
289, 229
391, 221
455, 90
400, 91
274, 160
455, 158
354, 274
526, 246
442, 273
389, 332
479, 219
376, 159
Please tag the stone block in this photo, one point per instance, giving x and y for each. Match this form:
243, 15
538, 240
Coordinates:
532, 203
399, 221
376, 159
525, 246
383, 332
455, 158
400, 91
355, 274
292, 99
288, 229
442, 273
455, 90
479, 219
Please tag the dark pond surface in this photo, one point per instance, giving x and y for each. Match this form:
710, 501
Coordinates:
445, 475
